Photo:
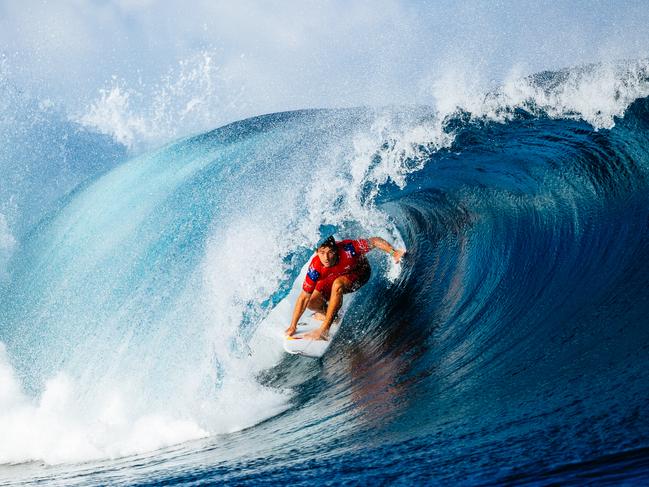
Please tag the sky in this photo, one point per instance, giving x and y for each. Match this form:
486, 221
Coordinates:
209, 62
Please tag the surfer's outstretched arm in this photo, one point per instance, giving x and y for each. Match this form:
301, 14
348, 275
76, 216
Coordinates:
379, 243
300, 305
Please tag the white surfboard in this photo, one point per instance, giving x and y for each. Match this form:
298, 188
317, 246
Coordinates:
298, 345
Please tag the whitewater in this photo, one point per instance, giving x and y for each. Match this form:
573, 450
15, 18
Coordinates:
144, 290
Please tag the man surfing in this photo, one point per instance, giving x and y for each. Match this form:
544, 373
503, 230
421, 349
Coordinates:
337, 268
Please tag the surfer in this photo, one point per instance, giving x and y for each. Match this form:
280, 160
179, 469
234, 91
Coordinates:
337, 268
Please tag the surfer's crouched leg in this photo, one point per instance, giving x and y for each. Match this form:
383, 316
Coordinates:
318, 305
340, 286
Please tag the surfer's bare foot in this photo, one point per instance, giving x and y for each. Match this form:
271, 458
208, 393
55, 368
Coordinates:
317, 334
319, 316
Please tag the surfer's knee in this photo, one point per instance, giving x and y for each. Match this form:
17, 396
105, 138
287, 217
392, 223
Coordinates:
339, 286
316, 302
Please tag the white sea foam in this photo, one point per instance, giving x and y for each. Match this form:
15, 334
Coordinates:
113, 115
594, 93
190, 98
52, 428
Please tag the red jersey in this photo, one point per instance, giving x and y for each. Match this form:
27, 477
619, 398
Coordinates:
351, 258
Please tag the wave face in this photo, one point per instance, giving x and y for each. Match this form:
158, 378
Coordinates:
145, 309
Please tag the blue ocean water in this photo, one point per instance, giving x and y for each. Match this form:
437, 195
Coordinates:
144, 301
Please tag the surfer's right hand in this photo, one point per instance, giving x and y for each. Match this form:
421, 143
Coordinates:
397, 254
290, 330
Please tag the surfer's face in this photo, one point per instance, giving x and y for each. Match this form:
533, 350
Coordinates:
327, 256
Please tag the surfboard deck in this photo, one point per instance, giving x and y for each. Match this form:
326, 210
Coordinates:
297, 345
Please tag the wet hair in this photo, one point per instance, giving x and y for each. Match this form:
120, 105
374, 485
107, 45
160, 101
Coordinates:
328, 242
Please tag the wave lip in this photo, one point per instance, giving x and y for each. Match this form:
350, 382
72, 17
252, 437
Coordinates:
596, 93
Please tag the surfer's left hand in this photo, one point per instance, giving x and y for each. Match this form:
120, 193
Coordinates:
290, 330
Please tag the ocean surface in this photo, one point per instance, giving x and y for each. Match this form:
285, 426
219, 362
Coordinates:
143, 297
